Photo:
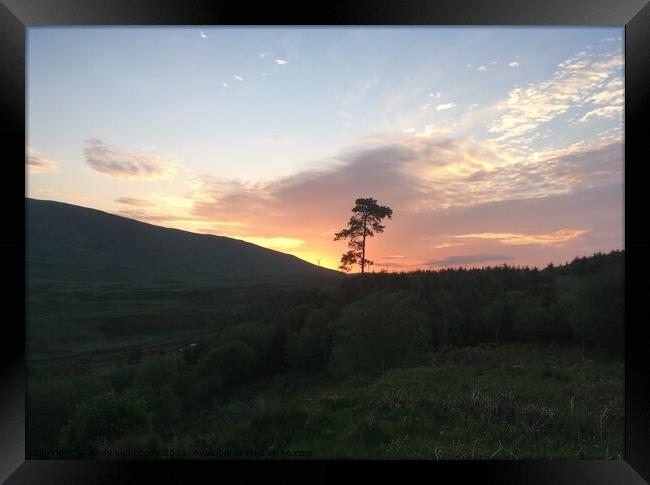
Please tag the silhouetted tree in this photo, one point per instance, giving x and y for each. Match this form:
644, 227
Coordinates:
365, 222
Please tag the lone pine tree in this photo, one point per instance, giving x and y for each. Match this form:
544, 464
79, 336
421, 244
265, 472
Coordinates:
364, 223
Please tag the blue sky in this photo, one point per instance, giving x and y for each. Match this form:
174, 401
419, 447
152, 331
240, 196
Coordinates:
216, 113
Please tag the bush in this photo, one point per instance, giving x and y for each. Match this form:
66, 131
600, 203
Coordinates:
233, 361
260, 338
379, 332
121, 378
307, 348
157, 372
96, 423
530, 318
599, 302
51, 403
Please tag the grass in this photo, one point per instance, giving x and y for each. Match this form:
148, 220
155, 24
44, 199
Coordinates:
65, 321
510, 402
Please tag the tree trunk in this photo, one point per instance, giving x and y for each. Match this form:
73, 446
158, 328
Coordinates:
363, 245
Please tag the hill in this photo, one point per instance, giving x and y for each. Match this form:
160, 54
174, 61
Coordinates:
76, 245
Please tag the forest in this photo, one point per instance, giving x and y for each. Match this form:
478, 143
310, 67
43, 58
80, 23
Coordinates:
495, 362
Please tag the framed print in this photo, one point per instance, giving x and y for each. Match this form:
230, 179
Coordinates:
401, 235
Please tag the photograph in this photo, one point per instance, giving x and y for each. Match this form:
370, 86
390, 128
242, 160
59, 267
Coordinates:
325, 242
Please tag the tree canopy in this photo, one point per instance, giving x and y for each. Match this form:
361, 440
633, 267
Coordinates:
365, 222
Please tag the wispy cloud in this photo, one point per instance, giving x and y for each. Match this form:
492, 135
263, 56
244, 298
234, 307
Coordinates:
447, 245
481, 68
239, 78
203, 35
134, 201
114, 162
602, 112
557, 237
446, 193
576, 80
417, 175
608, 102
443, 107
37, 164
470, 258
281, 62
514, 64
262, 55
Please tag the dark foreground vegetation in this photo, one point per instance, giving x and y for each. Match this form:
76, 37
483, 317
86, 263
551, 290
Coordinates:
490, 363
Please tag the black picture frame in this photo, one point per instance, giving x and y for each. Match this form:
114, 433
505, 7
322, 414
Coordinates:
17, 15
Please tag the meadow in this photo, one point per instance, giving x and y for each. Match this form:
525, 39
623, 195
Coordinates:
493, 363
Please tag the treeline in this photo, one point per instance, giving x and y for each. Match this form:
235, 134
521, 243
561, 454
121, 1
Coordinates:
370, 324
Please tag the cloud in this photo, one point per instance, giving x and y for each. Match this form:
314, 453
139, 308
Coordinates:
433, 131
203, 35
557, 237
514, 64
281, 62
576, 167
438, 187
608, 102
225, 85
133, 201
603, 112
481, 68
447, 245
576, 80
416, 176
114, 162
613, 93
262, 55
239, 78
443, 107
470, 258
36, 164
145, 216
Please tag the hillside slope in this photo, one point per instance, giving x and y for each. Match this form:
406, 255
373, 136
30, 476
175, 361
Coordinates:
77, 245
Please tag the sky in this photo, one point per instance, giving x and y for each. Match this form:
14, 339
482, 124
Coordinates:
491, 145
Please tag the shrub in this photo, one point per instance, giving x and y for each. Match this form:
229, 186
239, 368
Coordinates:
379, 332
308, 348
51, 403
96, 423
121, 378
233, 361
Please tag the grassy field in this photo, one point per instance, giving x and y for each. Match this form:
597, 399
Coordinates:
510, 402
485, 402
436, 365
70, 322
